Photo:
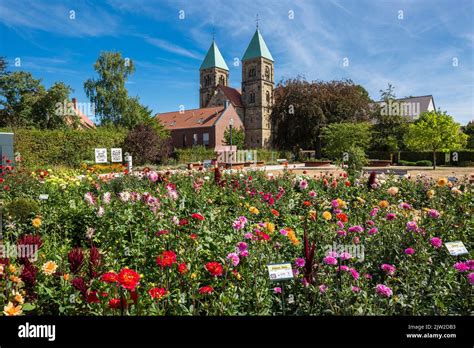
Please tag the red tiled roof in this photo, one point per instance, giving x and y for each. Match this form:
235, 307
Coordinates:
205, 117
84, 120
234, 95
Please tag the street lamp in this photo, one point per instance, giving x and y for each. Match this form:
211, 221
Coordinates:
231, 124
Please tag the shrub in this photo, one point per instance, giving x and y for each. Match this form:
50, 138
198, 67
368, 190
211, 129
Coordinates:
406, 163
67, 147
22, 209
424, 163
146, 146
357, 159
197, 153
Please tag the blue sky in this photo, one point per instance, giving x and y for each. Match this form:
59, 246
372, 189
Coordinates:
414, 53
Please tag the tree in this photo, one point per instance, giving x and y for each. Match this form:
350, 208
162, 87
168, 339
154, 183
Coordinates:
238, 137
302, 109
134, 114
146, 146
340, 137
19, 92
108, 92
47, 114
3, 66
388, 94
435, 131
469, 131
389, 129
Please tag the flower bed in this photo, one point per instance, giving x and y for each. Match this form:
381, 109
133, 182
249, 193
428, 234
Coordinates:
198, 243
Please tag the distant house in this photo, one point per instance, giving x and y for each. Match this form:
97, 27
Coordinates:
204, 126
84, 121
410, 107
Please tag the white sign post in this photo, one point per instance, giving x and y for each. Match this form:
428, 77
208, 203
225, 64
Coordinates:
281, 272
128, 159
100, 155
116, 155
456, 248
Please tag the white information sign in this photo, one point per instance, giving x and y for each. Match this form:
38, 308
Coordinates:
456, 248
345, 156
280, 271
100, 155
43, 196
116, 154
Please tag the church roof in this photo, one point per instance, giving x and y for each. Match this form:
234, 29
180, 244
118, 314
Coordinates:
233, 94
257, 48
214, 58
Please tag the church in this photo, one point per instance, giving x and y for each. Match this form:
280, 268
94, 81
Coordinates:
220, 105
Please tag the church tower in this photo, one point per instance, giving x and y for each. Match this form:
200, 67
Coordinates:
257, 92
213, 71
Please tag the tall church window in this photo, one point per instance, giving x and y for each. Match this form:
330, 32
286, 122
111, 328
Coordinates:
207, 81
267, 73
252, 72
267, 97
252, 97
222, 80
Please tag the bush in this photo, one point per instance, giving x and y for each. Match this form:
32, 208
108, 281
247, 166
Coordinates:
357, 160
22, 209
146, 146
424, 163
69, 147
195, 154
406, 163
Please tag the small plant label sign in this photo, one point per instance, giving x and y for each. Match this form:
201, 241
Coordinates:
100, 155
456, 248
43, 196
280, 271
116, 154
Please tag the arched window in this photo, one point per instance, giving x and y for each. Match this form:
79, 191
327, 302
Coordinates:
267, 73
267, 97
222, 80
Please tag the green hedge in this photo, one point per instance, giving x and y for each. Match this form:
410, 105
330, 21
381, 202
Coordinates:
464, 156
194, 154
40, 148
200, 153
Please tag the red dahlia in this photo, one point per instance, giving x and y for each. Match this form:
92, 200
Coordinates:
215, 268
166, 259
109, 277
182, 268
114, 303
197, 216
206, 290
128, 279
157, 293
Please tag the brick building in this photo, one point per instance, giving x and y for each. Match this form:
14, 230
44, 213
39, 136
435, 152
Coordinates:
251, 105
204, 126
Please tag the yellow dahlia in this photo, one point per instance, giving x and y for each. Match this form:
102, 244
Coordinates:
49, 267
12, 310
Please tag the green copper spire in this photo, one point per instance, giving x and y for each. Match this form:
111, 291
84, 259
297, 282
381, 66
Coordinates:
257, 48
214, 58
